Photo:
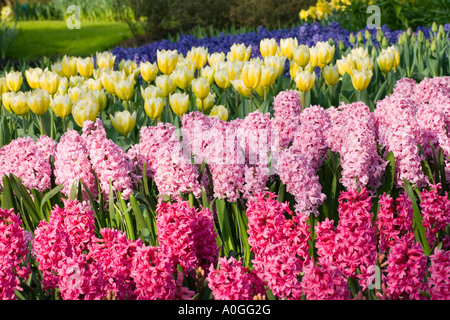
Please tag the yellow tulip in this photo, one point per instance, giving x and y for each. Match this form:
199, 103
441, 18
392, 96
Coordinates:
76, 92
3, 86
300, 54
207, 103
18, 103
360, 52
76, 80
201, 87
364, 63
222, 79
166, 84
85, 67
305, 80
293, 69
385, 61
124, 89
396, 55
154, 107
287, 45
345, 65
149, 71
33, 76
179, 102
277, 63
219, 112
94, 84
151, 92
61, 105
215, 58
49, 81
109, 80
331, 75
167, 60
129, 67
207, 72
234, 68
361, 79
69, 66
101, 97
313, 57
240, 87
182, 76
57, 68
268, 47
6, 100
325, 53
240, 52
39, 101
251, 74
268, 77
84, 109
105, 60
123, 121
63, 86
303, 14
14, 80
198, 56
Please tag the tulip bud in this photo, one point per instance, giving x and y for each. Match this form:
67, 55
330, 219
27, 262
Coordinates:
207, 103
251, 74
361, 79
105, 60
239, 52
368, 35
420, 36
33, 76
14, 80
380, 35
179, 102
39, 101
433, 45
69, 66
154, 107
352, 38
300, 54
124, 89
18, 103
434, 27
201, 87
85, 67
359, 37
305, 80
331, 75
61, 105
219, 112
166, 84
123, 121
167, 60
385, 61
268, 47
149, 71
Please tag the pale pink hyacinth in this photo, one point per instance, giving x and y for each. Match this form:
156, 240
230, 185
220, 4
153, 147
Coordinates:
187, 233
406, 270
280, 245
432, 125
24, 159
152, 271
301, 181
435, 209
287, 110
81, 278
72, 164
47, 145
115, 252
394, 220
232, 281
13, 254
438, 282
109, 161
324, 281
430, 88
162, 152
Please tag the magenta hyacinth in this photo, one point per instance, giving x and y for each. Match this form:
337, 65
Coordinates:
438, 282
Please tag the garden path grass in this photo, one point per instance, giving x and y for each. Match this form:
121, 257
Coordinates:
37, 39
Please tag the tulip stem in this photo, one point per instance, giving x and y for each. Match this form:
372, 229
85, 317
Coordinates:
251, 100
359, 95
303, 100
24, 125
41, 123
52, 123
237, 104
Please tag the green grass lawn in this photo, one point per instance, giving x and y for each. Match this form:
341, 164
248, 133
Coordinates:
37, 39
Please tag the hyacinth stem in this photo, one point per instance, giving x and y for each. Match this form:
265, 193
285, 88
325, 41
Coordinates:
52, 124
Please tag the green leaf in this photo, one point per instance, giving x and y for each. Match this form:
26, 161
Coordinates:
50, 195
7, 194
224, 224
140, 222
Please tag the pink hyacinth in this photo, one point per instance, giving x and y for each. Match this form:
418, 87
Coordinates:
24, 159
280, 245
72, 164
109, 161
187, 233
430, 88
324, 281
13, 252
438, 281
115, 252
152, 271
232, 281
406, 270
47, 145
81, 278
394, 220
435, 213
287, 110
296, 172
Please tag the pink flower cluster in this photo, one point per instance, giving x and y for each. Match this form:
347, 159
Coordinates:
28, 160
13, 254
438, 283
280, 245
